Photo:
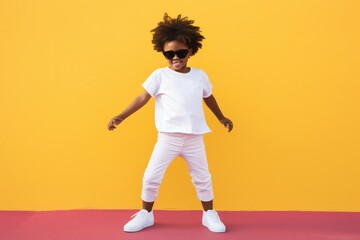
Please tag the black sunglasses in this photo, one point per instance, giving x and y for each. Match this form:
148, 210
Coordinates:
182, 53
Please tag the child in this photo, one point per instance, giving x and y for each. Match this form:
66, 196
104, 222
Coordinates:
179, 118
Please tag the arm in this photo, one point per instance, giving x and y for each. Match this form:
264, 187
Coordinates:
138, 103
214, 107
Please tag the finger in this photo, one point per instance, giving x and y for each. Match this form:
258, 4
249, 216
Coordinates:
229, 126
111, 126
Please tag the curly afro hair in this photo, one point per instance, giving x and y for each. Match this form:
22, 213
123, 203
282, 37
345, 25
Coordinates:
180, 29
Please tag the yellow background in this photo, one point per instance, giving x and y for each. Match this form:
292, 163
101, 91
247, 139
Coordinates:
285, 72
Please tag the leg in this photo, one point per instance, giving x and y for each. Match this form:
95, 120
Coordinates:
195, 156
196, 159
147, 205
160, 159
207, 205
165, 150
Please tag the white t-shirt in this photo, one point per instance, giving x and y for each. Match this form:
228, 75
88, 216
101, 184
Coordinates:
179, 100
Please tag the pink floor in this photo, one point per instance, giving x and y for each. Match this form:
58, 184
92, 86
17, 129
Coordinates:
178, 225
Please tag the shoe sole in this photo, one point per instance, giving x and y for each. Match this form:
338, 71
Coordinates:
138, 230
215, 231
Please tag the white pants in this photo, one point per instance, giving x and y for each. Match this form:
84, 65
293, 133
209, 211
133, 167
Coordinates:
170, 145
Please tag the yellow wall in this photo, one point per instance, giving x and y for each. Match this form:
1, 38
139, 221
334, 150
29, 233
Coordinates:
286, 72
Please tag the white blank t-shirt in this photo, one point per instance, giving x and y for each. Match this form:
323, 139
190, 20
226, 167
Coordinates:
179, 100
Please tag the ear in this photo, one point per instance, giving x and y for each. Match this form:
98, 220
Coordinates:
190, 52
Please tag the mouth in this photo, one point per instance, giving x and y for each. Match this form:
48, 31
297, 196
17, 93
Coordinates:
176, 63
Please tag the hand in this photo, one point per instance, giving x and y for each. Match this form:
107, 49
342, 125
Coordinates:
114, 122
227, 123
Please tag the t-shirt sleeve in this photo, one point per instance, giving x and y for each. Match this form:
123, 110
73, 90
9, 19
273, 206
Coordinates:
152, 84
207, 90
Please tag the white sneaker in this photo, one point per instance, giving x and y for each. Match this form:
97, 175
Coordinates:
212, 221
139, 221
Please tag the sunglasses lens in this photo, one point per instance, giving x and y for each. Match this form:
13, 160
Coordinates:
180, 53
169, 54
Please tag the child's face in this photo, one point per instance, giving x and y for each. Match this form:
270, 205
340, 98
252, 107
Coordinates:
177, 63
